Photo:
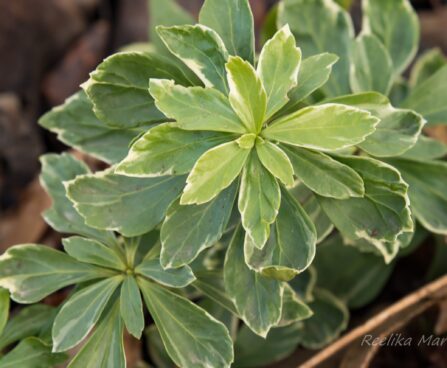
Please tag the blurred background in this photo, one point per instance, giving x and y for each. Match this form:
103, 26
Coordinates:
48, 48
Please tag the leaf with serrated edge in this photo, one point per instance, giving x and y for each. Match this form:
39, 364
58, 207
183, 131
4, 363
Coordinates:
31, 272
131, 206
62, 216
118, 87
326, 127
214, 171
324, 175
189, 229
201, 49
291, 246
278, 68
398, 129
168, 150
195, 108
247, 94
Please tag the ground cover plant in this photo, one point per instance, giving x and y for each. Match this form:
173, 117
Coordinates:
249, 200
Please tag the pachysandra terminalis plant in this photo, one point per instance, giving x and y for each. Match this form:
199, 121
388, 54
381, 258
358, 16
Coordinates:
239, 164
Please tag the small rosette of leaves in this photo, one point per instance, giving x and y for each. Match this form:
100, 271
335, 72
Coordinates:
236, 138
110, 273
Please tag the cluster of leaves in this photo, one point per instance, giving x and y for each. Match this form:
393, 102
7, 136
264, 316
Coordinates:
238, 167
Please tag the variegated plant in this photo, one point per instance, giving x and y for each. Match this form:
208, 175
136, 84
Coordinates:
226, 169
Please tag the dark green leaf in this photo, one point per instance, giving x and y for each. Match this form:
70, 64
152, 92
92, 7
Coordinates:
173, 277
131, 307
258, 299
31, 272
31, 353
77, 126
291, 246
80, 313
189, 229
233, 21
201, 49
104, 347
56, 169
131, 206
322, 26
191, 336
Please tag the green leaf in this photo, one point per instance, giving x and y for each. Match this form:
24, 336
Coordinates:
293, 308
28, 321
291, 246
56, 169
278, 68
92, 251
104, 348
253, 351
195, 108
168, 150
314, 72
80, 313
247, 94
258, 299
371, 65
326, 127
131, 206
304, 283
397, 131
156, 349
364, 274
324, 175
329, 320
176, 278
426, 65
233, 21
4, 308
131, 307
426, 149
214, 171
77, 126
259, 200
191, 336
322, 26
189, 229
31, 353
396, 24
382, 214
427, 192
31, 272
118, 88
309, 201
428, 98
269, 26
275, 160
201, 49
165, 13
211, 284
